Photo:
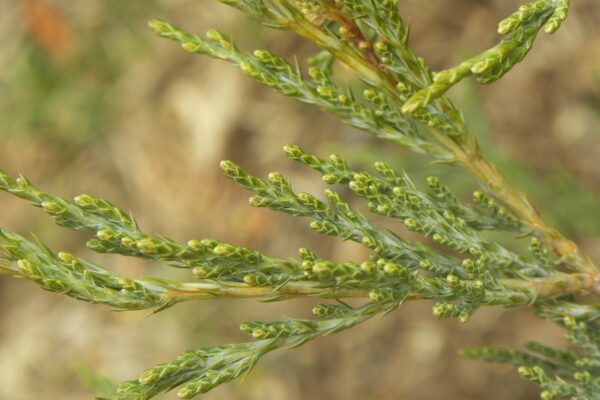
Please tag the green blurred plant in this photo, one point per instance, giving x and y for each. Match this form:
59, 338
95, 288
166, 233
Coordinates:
403, 102
64, 78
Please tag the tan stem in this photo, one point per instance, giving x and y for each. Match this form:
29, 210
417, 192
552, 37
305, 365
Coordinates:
212, 290
520, 205
555, 286
560, 285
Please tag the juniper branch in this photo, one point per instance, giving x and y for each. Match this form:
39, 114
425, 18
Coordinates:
287, 79
441, 116
403, 102
199, 371
520, 29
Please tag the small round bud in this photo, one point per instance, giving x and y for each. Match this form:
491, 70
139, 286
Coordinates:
443, 310
474, 251
439, 238
223, 250
307, 265
368, 242
370, 94
316, 225
128, 242
481, 67
229, 168
147, 246
464, 316
53, 208
383, 209
159, 27
305, 253
149, 377
200, 272
275, 177
390, 268
196, 245
258, 201
452, 280
378, 296
433, 181
322, 270
262, 55
260, 333
380, 46
190, 47
66, 258
215, 35
25, 267
524, 371
250, 280
381, 166
398, 191
306, 198
292, 151
324, 91
105, 235
247, 68
367, 267
84, 200
411, 224
330, 179
547, 395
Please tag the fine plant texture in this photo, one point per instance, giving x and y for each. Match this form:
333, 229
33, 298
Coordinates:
455, 264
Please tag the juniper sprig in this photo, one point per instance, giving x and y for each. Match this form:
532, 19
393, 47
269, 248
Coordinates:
520, 29
397, 271
344, 29
453, 262
201, 370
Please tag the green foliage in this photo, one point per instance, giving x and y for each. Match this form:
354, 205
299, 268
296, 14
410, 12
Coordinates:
520, 29
453, 263
562, 373
201, 370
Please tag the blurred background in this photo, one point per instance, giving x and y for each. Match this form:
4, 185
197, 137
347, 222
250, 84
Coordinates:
92, 102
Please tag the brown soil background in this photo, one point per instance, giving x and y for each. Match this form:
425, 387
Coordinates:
94, 103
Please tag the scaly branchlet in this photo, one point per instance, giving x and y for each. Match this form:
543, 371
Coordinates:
394, 74
200, 370
455, 263
277, 74
520, 29
562, 373
397, 270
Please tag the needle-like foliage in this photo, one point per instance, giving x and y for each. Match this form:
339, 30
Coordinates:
453, 263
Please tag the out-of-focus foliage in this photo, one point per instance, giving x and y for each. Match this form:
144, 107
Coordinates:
62, 65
